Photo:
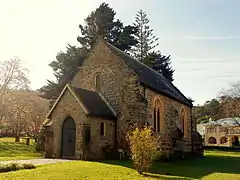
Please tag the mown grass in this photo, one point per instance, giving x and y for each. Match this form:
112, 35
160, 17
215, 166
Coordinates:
9, 150
215, 165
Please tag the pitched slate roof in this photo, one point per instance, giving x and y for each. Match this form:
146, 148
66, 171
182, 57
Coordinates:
91, 102
94, 103
151, 78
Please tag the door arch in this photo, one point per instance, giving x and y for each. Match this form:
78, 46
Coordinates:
68, 138
235, 141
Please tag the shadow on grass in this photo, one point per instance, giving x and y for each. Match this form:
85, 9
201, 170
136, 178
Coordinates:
12, 149
163, 177
194, 168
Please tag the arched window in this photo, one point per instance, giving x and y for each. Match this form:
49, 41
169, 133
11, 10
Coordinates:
87, 131
183, 121
157, 115
212, 140
223, 140
154, 119
102, 129
158, 120
235, 141
97, 82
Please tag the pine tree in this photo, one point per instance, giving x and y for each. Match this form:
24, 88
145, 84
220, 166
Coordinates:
101, 22
146, 40
144, 49
160, 63
64, 67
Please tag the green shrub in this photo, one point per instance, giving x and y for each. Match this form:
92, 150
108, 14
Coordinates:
4, 168
109, 151
14, 166
39, 147
28, 166
144, 148
167, 156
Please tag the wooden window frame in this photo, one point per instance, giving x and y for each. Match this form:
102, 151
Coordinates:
157, 115
97, 82
104, 127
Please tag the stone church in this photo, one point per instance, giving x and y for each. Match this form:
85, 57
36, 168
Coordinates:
110, 92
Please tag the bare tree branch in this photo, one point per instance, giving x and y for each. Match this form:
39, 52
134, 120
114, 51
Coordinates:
233, 91
12, 77
25, 113
230, 100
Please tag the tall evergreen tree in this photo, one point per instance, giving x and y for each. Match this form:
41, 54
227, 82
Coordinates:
64, 68
160, 63
147, 42
101, 22
145, 37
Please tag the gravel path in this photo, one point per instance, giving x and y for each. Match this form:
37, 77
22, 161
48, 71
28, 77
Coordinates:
36, 161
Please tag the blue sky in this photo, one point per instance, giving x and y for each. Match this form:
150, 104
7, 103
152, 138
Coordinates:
202, 37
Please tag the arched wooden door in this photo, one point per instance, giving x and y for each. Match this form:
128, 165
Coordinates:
68, 138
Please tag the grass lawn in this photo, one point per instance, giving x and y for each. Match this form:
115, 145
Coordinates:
215, 165
10, 150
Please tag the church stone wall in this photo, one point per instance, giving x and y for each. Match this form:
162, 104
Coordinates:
95, 148
170, 112
67, 106
119, 86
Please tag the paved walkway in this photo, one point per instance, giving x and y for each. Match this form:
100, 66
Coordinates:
36, 161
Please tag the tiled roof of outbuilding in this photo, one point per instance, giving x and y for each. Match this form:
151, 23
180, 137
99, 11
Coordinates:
94, 103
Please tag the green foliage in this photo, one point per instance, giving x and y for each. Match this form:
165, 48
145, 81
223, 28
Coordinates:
109, 151
15, 167
5, 168
216, 109
100, 22
28, 166
160, 63
226, 105
214, 166
143, 146
64, 68
203, 119
3, 127
10, 167
166, 156
40, 144
39, 147
146, 40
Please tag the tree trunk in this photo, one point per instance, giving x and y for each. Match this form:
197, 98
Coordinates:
17, 138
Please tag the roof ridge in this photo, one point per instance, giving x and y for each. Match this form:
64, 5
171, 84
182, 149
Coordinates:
90, 99
134, 59
83, 89
108, 104
67, 86
166, 81
98, 93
